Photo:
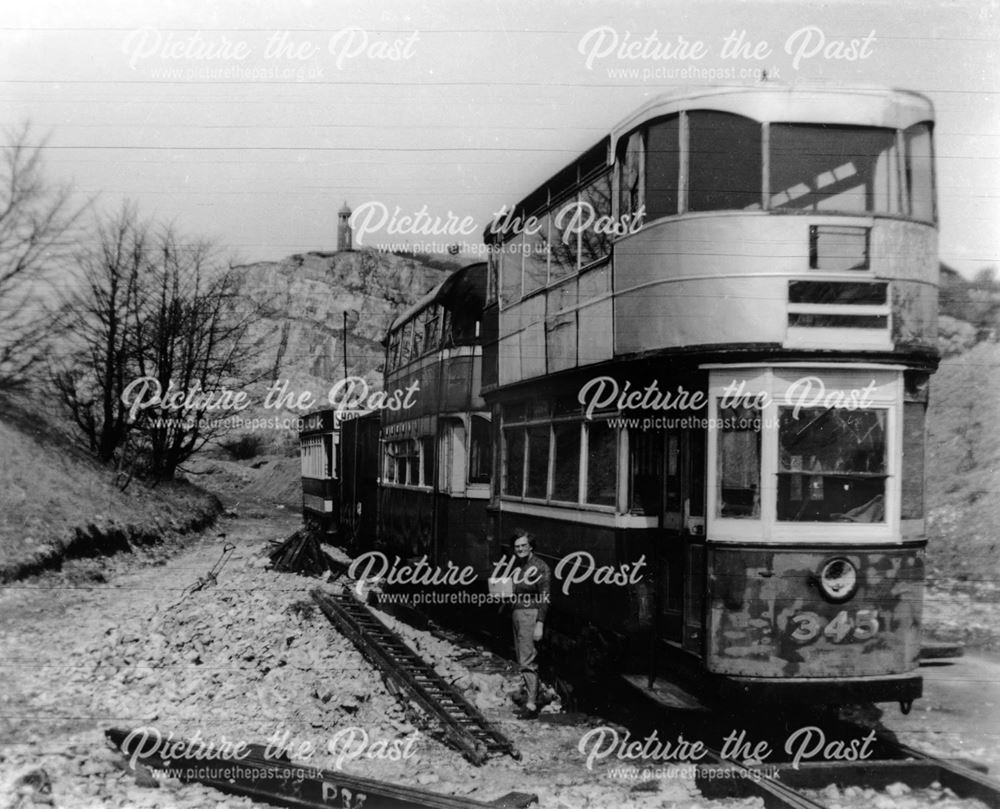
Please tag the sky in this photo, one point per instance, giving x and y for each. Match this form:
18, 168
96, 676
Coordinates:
253, 122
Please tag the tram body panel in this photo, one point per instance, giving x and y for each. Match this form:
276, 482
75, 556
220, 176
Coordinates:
767, 617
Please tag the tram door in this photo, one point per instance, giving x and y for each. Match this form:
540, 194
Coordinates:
681, 550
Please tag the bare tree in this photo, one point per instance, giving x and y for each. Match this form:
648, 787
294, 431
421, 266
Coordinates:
192, 336
159, 333
97, 319
37, 224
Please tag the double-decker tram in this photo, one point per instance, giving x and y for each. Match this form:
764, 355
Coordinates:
436, 449
706, 350
318, 453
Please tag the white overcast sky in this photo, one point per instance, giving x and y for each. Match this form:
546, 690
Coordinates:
485, 101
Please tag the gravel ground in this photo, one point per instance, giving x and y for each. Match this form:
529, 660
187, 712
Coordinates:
252, 659
245, 659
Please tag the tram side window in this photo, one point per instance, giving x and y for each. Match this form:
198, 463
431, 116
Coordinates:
566, 465
405, 333
432, 329
739, 463
426, 460
538, 461
663, 161
833, 168
724, 166
328, 456
390, 352
595, 205
646, 470
418, 334
536, 248
832, 465
565, 240
920, 171
402, 462
602, 463
513, 454
464, 326
912, 505
510, 271
630, 185
480, 451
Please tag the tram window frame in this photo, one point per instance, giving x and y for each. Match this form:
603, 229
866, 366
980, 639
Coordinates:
432, 329
658, 185
513, 462
511, 272
480, 450
426, 460
419, 321
708, 171
563, 254
598, 499
790, 142
928, 209
631, 172
645, 461
807, 483
596, 245
535, 272
565, 487
735, 415
403, 463
519, 424
538, 438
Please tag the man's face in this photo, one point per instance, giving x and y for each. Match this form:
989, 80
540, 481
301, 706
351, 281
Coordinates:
522, 547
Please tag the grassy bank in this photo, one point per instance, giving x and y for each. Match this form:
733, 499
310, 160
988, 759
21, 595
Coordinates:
56, 501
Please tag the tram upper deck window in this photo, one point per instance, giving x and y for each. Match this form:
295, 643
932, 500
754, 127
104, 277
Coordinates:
510, 271
663, 160
739, 463
480, 451
920, 171
832, 465
594, 206
724, 164
842, 169
631, 180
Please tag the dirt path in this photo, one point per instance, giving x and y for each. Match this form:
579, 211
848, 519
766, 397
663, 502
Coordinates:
51, 627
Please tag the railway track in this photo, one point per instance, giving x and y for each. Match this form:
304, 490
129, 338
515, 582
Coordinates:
414, 681
782, 786
284, 783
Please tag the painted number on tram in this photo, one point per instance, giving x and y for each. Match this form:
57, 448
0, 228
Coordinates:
844, 627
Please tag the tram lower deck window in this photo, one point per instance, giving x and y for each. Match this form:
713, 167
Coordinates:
832, 465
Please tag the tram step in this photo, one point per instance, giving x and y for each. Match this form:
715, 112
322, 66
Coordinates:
666, 693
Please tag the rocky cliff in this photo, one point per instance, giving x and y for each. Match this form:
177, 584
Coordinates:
305, 297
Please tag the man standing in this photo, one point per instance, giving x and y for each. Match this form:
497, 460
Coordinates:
532, 590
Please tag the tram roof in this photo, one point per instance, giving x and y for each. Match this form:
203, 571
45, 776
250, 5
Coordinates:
463, 287
801, 104
767, 103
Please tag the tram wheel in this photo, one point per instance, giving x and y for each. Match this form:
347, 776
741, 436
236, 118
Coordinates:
906, 706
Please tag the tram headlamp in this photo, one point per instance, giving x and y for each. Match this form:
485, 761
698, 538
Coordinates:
838, 579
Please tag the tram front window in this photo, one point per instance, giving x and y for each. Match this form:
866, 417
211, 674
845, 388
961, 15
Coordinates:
835, 168
832, 465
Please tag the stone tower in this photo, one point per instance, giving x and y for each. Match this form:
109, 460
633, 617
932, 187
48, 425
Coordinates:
344, 228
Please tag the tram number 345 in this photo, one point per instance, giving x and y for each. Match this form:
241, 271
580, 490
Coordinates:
841, 629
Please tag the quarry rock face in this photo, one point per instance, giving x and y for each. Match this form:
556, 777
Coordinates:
305, 297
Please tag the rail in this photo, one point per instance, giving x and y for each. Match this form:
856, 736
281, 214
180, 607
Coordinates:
413, 680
